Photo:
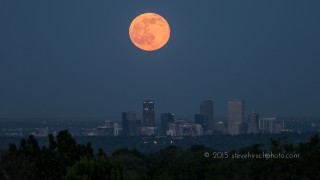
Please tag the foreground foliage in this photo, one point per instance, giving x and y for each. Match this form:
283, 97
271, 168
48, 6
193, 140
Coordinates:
63, 158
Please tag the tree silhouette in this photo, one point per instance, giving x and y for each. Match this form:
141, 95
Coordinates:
63, 158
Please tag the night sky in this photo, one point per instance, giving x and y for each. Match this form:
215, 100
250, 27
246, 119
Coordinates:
75, 58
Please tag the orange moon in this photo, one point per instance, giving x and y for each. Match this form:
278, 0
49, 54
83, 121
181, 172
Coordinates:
149, 31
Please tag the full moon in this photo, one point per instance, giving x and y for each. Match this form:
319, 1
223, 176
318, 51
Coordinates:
149, 31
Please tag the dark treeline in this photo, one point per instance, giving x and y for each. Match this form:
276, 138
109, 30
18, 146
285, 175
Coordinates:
63, 158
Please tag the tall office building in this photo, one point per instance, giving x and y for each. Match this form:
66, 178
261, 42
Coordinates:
180, 123
148, 114
206, 108
253, 123
166, 119
202, 120
131, 116
235, 116
271, 125
129, 123
125, 124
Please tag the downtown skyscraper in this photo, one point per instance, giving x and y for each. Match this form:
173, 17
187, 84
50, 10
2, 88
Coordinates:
166, 119
253, 123
206, 108
202, 120
235, 116
148, 119
129, 123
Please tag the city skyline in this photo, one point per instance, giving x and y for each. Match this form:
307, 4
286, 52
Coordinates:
157, 113
202, 123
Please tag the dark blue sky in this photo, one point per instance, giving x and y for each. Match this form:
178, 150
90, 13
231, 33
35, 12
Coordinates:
75, 58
